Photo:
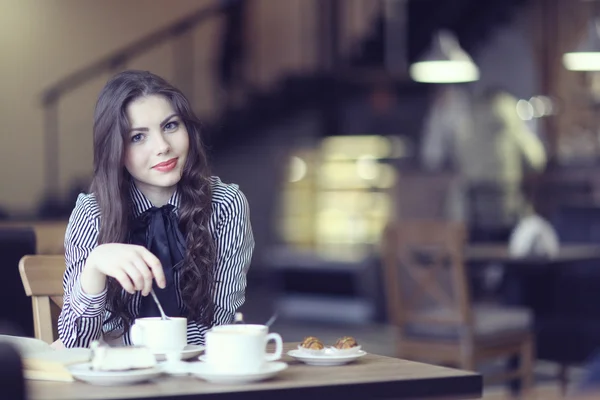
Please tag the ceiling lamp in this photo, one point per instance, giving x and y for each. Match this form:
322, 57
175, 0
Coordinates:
587, 55
445, 62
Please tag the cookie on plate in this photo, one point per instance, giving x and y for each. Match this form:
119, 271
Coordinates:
312, 343
346, 342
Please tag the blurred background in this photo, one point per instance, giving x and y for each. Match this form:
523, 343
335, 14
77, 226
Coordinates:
338, 118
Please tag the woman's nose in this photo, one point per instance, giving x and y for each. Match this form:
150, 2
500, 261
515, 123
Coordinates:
162, 145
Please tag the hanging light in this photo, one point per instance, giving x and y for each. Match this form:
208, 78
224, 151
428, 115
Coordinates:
587, 55
445, 62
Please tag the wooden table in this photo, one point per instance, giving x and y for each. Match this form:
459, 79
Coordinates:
370, 377
568, 253
555, 289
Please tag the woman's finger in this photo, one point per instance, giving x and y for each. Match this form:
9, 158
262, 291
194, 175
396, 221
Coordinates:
146, 273
122, 277
154, 263
134, 274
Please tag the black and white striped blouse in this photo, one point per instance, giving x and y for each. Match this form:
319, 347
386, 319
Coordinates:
82, 317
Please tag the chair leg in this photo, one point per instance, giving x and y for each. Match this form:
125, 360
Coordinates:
527, 367
563, 378
467, 361
513, 364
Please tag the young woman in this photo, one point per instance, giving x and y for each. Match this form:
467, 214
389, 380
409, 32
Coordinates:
154, 219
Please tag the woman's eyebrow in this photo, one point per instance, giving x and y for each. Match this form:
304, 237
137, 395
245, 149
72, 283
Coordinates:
163, 123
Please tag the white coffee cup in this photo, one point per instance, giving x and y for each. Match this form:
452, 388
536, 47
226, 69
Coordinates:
160, 336
240, 349
228, 327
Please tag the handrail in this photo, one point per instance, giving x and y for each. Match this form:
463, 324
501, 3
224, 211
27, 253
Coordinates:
121, 56
51, 96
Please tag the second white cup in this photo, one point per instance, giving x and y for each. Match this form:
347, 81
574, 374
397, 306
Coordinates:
240, 349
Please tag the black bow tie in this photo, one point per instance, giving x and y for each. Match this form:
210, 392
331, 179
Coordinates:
157, 229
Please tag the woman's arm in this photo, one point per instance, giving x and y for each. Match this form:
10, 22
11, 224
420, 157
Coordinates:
234, 243
81, 318
234, 246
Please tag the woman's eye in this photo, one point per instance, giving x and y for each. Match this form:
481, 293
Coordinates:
171, 126
137, 137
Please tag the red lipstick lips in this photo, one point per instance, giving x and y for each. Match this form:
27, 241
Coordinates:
166, 166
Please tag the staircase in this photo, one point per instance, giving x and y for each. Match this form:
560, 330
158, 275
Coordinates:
473, 21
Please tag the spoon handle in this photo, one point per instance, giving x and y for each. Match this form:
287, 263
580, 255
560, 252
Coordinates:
162, 312
272, 319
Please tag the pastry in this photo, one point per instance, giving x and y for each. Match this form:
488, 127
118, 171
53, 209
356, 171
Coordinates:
105, 358
346, 342
312, 343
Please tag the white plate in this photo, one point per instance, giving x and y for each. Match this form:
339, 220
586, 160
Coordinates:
190, 351
327, 359
269, 370
85, 373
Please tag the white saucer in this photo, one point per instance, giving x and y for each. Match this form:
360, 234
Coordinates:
325, 359
85, 373
190, 351
269, 370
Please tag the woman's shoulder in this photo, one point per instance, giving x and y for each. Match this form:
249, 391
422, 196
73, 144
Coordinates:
87, 205
227, 195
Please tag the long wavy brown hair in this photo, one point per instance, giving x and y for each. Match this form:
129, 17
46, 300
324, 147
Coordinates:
111, 181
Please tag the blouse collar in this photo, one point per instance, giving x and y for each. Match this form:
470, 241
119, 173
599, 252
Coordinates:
142, 204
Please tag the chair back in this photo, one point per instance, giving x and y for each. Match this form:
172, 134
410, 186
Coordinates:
425, 276
42, 279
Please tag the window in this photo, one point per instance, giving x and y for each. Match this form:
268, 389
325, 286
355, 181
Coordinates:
337, 199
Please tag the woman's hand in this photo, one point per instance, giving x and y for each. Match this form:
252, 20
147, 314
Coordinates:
133, 266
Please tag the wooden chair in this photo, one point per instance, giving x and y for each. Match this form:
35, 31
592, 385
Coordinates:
42, 279
429, 301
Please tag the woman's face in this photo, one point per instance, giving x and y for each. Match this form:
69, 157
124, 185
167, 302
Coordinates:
156, 147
